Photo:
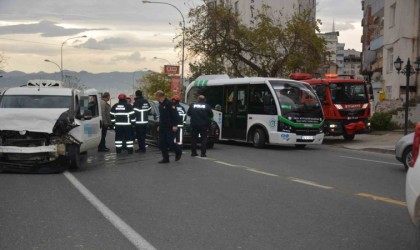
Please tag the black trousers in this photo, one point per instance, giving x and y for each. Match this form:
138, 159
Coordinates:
167, 140
123, 138
141, 135
102, 144
202, 131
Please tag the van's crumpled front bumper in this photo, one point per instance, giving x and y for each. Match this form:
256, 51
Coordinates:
33, 159
28, 150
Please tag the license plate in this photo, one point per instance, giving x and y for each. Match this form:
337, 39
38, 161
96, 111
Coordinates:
306, 137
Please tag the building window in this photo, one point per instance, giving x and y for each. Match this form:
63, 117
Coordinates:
237, 7
390, 60
392, 15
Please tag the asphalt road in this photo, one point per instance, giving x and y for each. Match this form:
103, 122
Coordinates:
239, 197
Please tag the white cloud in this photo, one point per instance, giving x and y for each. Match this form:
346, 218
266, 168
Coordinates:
45, 28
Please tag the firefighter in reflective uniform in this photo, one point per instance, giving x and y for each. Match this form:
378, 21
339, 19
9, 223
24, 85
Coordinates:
182, 118
123, 117
141, 109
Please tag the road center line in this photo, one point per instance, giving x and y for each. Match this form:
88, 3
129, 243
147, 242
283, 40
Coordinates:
136, 239
384, 199
314, 184
225, 163
261, 172
361, 159
310, 183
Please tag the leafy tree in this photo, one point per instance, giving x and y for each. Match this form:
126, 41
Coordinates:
154, 82
270, 48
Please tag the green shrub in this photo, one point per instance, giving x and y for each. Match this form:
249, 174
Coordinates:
381, 121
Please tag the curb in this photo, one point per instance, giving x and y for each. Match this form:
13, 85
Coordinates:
375, 150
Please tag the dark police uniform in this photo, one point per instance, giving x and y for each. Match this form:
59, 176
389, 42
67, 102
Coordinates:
201, 115
123, 117
182, 117
168, 117
141, 109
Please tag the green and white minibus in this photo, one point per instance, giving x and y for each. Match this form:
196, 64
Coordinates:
262, 110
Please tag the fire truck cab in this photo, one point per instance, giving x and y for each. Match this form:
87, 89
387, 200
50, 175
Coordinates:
345, 103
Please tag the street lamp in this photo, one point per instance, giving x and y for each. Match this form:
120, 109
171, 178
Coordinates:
46, 60
183, 36
408, 71
159, 58
62, 44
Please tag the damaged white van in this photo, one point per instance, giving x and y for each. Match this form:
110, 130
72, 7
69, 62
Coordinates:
44, 127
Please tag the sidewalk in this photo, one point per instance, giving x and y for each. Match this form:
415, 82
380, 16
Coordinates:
377, 141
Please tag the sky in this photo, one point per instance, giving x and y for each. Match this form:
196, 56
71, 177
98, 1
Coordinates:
123, 35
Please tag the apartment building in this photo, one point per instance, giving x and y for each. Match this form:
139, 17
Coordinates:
401, 39
391, 28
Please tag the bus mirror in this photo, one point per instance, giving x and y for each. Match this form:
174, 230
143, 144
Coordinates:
218, 107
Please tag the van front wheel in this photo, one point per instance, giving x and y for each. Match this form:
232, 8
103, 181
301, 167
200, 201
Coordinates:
73, 155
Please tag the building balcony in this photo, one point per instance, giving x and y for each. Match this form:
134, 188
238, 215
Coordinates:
377, 43
377, 8
378, 64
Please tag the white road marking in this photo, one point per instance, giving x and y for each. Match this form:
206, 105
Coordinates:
310, 183
361, 159
225, 163
136, 239
261, 172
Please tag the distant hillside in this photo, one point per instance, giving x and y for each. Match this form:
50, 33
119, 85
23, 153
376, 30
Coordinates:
113, 82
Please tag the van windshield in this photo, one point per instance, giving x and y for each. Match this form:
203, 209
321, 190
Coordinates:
35, 101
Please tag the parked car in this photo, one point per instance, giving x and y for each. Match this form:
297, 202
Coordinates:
403, 150
412, 185
153, 134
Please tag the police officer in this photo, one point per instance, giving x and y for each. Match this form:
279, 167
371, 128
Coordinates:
123, 117
201, 115
141, 108
182, 117
168, 120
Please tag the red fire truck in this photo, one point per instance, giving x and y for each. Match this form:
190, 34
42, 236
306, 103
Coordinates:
345, 102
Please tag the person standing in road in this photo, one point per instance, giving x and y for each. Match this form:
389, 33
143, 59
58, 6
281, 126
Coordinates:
201, 115
182, 117
123, 117
168, 120
141, 108
106, 121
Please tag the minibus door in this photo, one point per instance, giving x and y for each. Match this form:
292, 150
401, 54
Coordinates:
234, 113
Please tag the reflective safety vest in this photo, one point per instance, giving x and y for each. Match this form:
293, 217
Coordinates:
122, 114
142, 108
182, 115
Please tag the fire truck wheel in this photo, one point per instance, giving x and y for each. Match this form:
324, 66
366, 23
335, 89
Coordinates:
258, 138
348, 137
